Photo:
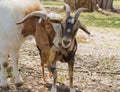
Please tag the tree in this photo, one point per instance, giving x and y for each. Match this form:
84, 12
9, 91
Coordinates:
104, 4
90, 4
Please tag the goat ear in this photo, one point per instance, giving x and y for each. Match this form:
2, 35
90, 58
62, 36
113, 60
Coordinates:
83, 27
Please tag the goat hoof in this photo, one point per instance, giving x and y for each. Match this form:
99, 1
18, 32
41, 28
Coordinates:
72, 90
19, 84
5, 87
54, 89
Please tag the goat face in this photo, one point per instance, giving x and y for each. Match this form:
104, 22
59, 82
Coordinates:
70, 29
43, 26
70, 26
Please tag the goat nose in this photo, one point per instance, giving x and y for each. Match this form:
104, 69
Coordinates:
66, 42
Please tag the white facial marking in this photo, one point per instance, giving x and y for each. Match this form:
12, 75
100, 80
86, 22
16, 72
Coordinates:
71, 20
68, 30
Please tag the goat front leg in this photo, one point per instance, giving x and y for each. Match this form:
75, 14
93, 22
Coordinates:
42, 63
43, 72
44, 56
14, 57
3, 71
52, 69
70, 66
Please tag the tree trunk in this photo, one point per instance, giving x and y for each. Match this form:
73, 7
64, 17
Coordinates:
90, 4
105, 4
72, 3
75, 4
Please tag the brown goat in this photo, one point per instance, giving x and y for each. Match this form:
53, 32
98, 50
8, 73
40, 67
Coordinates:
43, 32
44, 38
12, 36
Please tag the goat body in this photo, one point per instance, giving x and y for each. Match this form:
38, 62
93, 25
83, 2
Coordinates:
12, 35
68, 44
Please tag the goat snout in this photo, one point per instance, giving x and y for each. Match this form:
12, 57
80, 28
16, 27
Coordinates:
66, 43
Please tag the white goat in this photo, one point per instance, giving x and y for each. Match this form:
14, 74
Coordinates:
12, 35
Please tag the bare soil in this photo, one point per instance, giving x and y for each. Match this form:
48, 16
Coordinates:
97, 64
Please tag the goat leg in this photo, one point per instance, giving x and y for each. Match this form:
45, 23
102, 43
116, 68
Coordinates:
42, 64
14, 58
52, 69
52, 55
70, 66
3, 72
43, 72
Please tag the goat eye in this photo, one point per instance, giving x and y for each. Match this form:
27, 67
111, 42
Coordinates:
48, 27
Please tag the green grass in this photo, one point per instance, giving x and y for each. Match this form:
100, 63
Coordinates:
100, 20
52, 4
116, 4
93, 19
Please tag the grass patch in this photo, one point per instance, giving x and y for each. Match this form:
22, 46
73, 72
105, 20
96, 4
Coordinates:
52, 4
92, 19
100, 20
116, 4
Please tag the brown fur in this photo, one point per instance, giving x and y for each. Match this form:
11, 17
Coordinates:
43, 33
42, 41
28, 29
5, 64
50, 32
35, 7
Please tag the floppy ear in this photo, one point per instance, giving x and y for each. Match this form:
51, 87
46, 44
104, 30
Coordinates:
83, 27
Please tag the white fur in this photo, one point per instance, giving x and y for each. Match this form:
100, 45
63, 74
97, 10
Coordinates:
53, 15
10, 34
72, 90
3, 75
54, 89
71, 20
57, 28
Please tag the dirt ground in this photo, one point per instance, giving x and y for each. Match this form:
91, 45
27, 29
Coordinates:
97, 64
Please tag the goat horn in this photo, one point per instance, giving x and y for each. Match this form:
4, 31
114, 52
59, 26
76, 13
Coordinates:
41, 14
68, 10
78, 12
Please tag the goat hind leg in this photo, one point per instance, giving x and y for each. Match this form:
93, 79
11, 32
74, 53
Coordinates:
18, 79
43, 72
53, 70
70, 65
3, 72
